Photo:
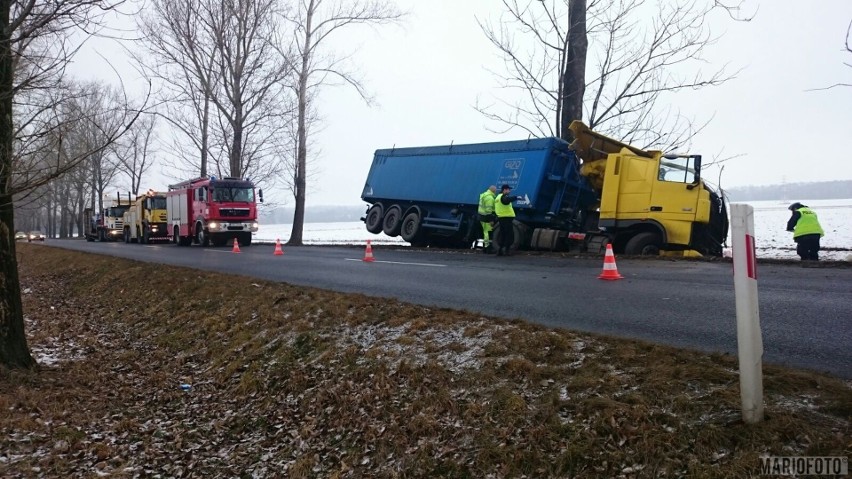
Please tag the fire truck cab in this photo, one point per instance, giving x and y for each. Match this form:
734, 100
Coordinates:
210, 210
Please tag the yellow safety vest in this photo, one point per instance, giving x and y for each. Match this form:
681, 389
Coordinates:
503, 211
486, 203
807, 224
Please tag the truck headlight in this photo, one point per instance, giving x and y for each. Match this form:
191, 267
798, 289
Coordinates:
212, 225
254, 225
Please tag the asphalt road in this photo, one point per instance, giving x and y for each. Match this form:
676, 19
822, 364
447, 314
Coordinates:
805, 313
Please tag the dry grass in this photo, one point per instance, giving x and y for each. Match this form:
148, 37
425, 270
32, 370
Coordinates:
300, 382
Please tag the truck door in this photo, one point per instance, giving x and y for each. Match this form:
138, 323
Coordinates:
675, 192
674, 201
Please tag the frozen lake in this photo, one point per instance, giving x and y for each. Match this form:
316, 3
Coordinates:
770, 222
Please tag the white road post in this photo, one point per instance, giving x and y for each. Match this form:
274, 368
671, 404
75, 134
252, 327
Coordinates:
749, 339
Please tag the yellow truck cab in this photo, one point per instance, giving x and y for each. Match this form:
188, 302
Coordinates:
650, 201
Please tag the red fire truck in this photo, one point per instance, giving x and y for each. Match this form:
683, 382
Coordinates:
211, 210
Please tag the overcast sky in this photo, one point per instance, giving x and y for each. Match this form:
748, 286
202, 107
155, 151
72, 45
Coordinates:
427, 74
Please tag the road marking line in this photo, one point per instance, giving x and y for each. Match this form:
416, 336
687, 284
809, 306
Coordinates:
400, 262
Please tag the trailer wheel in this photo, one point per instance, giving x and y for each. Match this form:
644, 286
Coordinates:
410, 229
373, 221
646, 243
393, 221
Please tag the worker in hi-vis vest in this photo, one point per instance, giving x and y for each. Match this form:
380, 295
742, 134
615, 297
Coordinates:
505, 216
486, 215
806, 231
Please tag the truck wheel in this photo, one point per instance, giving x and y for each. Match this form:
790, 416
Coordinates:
373, 221
246, 240
127, 235
201, 237
410, 229
146, 237
393, 221
101, 236
646, 244
516, 243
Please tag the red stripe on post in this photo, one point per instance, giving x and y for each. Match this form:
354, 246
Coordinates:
751, 256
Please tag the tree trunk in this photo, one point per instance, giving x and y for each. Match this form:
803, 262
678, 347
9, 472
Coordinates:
574, 75
237, 141
205, 122
301, 163
299, 181
14, 352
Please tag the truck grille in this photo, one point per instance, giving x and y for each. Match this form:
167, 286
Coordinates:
227, 212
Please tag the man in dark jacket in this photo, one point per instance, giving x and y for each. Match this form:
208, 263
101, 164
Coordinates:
806, 231
505, 217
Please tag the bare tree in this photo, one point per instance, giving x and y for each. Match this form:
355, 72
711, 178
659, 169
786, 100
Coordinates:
33, 52
640, 58
180, 53
135, 152
315, 21
224, 73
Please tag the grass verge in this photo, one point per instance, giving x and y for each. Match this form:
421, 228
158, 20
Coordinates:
290, 381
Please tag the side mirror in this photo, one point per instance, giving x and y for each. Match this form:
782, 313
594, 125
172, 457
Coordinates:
260, 194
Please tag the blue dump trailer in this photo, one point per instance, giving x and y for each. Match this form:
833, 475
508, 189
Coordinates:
429, 195
594, 192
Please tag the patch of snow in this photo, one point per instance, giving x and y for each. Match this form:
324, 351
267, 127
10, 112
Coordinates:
57, 352
454, 349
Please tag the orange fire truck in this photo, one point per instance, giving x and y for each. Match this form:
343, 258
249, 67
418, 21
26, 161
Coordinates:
211, 210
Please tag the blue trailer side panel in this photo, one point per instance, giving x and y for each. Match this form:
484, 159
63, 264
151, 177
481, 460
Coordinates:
458, 173
442, 184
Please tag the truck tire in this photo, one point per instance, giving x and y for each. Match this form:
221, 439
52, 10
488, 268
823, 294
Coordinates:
201, 237
127, 235
393, 221
246, 240
645, 244
146, 237
519, 232
101, 236
373, 221
410, 229
180, 240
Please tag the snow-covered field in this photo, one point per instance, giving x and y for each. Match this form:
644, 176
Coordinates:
770, 222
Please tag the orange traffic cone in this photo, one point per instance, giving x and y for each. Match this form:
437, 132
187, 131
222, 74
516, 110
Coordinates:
236, 246
278, 250
368, 254
610, 271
